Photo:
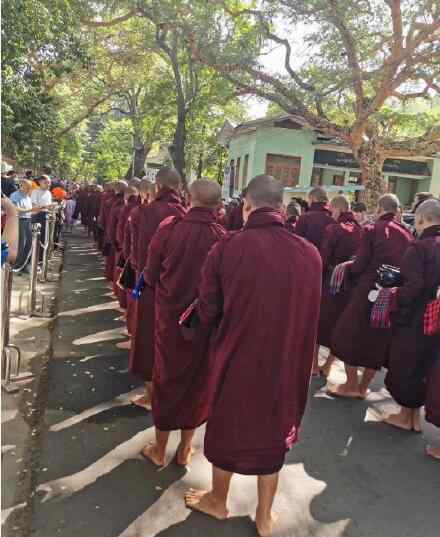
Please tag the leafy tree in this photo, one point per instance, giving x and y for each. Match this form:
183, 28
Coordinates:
361, 57
40, 41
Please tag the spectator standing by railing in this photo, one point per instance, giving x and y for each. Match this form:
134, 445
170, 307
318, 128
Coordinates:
23, 202
42, 199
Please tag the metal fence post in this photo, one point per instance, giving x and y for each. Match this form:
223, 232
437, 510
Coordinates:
6, 347
34, 268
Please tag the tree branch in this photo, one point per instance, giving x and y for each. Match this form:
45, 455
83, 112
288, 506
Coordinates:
112, 22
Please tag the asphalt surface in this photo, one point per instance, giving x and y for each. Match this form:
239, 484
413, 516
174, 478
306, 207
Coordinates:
348, 476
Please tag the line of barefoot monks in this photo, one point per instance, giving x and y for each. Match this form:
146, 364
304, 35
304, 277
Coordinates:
246, 368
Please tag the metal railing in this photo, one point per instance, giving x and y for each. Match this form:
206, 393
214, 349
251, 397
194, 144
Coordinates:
39, 272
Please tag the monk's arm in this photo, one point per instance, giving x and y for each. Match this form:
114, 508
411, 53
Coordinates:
413, 281
154, 257
363, 255
210, 305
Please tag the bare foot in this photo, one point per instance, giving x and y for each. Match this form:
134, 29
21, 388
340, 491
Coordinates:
397, 420
416, 425
344, 390
265, 524
433, 452
151, 453
125, 345
205, 502
142, 402
183, 456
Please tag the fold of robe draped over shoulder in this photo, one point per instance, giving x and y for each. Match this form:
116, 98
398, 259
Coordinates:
175, 258
339, 244
261, 288
148, 218
412, 353
432, 403
353, 340
312, 224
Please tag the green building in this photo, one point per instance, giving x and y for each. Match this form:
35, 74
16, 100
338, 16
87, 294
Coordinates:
287, 148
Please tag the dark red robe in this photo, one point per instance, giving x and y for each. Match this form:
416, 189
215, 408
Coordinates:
167, 203
110, 232
412, 353
106, 206
175, 258
260, 289
353, 339
235, 218
432, 403
339, 244
128, 206
311, 225
291, 223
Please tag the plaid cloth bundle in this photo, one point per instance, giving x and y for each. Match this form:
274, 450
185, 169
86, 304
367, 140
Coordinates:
338, 277
431, 319
380, 313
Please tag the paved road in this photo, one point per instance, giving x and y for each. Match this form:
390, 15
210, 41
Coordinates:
349, 476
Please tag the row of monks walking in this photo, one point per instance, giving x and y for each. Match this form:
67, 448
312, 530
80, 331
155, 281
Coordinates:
225, 326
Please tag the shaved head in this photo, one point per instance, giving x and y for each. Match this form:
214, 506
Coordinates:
389, 203
265, 191
169, 177
318, 195
130, 191
134, 182
341, 203
120, 187
429, 211
146, 186
205, 193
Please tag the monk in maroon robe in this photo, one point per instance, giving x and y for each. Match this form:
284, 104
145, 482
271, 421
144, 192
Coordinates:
311, 225
175, 258
94, 207
106, 206
412, 353
339, 244
131, 199
293, 211
432, 403
235, 217
354, 340
110, 231
130, 243
166, 203
262, 358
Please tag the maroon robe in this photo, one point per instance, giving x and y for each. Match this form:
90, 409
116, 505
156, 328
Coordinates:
167, 203
432, 403
110, 233
175, 258
353, 340
339, 244
291, 223
121, 224
311, 225
235, 218
412, 353
260, 289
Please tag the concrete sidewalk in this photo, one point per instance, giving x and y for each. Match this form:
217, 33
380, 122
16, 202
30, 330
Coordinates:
348, 476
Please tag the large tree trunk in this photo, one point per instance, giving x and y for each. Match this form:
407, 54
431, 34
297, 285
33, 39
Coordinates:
137, 167
178, 148
371, 157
